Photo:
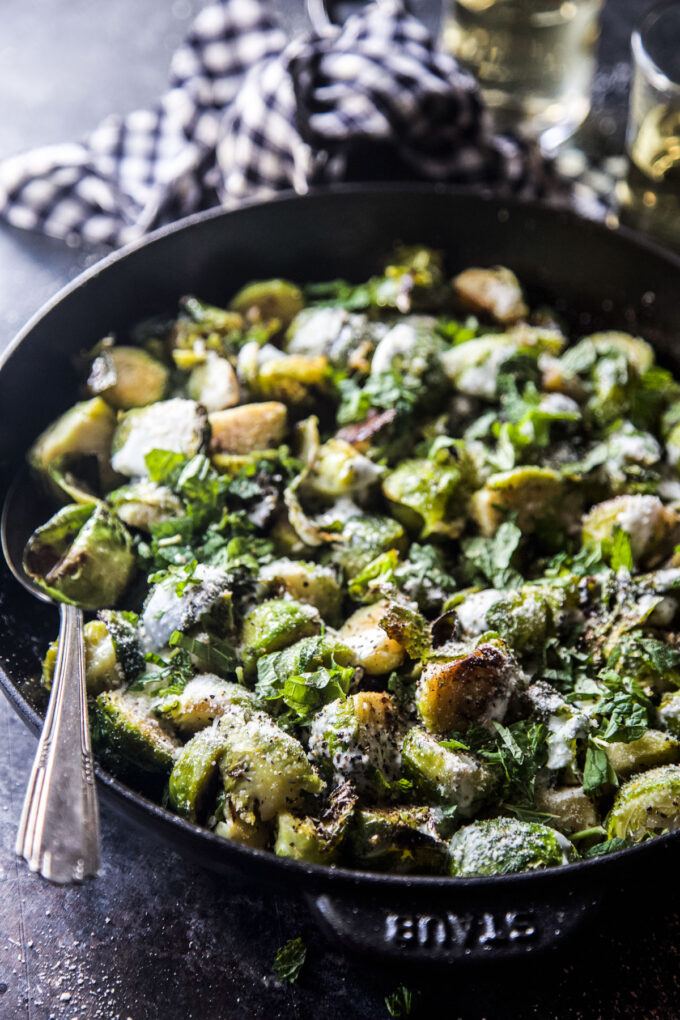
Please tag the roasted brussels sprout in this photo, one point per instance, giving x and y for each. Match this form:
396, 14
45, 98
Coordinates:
130, 739
127, 377
269, 299
571, 809
648, 804
338, 470
180, 601
305, 582
275, 624
177, 425
142, 504
370, 644
192, 786
364, 538
651, 749
430, 496
82, 555
241, 430
493, 292
471, 689
264, 769
102, 670
86, 430
535, 495
453, 778
652, 528
401, 840
359, 740
316, 840
213, 384
503, 846
205, 698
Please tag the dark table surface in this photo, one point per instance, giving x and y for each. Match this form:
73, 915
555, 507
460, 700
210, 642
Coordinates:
155, 936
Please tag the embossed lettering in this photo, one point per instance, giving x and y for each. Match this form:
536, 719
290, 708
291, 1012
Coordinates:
520, 926
460, 928
432, 930
490, 931
400, 929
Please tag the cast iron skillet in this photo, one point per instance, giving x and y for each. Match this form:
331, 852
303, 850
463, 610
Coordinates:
611, 279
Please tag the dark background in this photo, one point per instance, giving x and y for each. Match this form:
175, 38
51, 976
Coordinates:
154, 936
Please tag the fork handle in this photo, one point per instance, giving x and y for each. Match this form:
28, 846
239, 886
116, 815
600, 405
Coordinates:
59, 828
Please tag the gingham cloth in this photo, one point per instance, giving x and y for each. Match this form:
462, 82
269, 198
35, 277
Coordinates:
248, 114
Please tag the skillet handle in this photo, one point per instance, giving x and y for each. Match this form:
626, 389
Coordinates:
446, 934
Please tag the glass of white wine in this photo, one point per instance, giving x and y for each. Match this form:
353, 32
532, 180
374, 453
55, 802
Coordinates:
649, 196
534, 60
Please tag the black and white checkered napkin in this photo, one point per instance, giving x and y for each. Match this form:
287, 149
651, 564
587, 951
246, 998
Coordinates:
249, 113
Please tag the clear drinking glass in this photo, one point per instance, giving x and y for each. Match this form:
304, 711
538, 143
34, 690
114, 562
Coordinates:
534, 60
650, 195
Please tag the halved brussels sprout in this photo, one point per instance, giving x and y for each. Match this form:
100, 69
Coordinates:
472, 689
537, 496
241, 430
264, 769
339, 470
192, 786
651, 749
293, 378
430, 495
503, 846
142, 504
275, 624
493, 292
401, 840
359, 740
526, 617
572, 810
179, 602
668, 713
269, 299
127, 377
83, 555
345, 338
652, 528
129, 738
364, 538
316, 840
102, 671
637, 351
648, 804
177, 425
205, 698
86, 430
453, 778
371, 646
214, 384
305, 582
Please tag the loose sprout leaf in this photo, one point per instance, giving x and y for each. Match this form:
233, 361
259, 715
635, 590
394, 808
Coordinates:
290, 960
400, 1002
404, 623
